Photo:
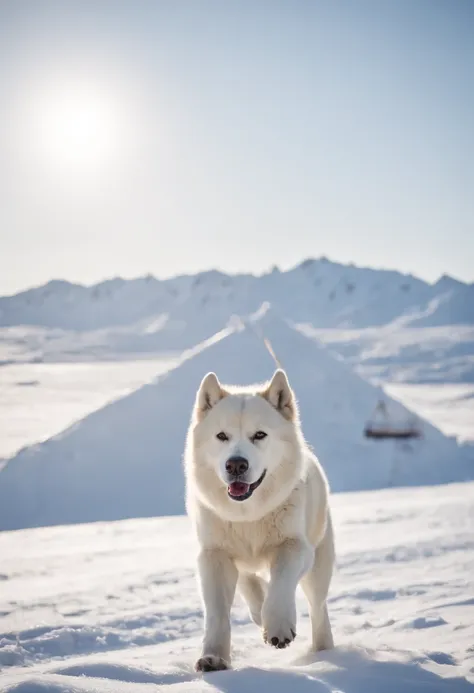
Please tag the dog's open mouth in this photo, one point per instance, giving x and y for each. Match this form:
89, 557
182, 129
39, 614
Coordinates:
240, 491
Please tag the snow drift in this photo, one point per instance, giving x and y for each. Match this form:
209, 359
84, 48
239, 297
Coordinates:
114, 607
125, 460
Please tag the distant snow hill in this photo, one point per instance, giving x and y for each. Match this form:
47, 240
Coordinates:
320, 292
125, 460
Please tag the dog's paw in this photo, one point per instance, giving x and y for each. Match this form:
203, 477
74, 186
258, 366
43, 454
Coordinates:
211, 663
283, 639
279, 626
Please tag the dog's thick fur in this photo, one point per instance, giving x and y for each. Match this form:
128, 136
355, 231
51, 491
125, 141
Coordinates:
268, 543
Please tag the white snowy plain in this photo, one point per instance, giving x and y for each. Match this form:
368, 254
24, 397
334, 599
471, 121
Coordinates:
39, 400
114, 606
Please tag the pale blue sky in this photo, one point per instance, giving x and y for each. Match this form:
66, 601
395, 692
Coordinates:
236, 134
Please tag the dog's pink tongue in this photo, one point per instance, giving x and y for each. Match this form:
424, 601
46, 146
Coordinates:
238, 488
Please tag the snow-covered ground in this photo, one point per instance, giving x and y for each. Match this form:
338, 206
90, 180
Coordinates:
114, 606
39, 400
396, 353
429, 369
450, 407
125, 460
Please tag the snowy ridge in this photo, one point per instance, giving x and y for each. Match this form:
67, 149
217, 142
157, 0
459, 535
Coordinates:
321, 292
401, 353
113, 607
125, 460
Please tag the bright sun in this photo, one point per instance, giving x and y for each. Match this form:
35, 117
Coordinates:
75, 128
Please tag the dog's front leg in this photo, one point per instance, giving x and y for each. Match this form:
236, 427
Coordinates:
289, 562
218, 579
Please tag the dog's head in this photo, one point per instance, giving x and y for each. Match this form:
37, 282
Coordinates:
244, 446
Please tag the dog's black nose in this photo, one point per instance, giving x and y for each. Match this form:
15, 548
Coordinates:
236, 466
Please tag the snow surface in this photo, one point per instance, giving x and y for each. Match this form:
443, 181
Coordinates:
450, 407
125, 460
396, 353
455, 306
114, 606
430, 370
389, 326
38, 401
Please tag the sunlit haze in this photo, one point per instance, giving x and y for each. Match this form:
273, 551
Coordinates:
172, 137
74, 129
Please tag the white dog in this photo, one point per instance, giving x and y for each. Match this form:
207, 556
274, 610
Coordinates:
258, 500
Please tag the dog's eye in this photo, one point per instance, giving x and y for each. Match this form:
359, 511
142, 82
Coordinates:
259, 435
222, 436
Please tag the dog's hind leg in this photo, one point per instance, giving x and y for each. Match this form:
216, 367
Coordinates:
315, 585
253, 589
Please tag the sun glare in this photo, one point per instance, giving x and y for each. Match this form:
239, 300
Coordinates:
77, 129
74, 129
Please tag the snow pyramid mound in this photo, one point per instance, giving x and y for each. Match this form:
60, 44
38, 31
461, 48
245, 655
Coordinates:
125, 460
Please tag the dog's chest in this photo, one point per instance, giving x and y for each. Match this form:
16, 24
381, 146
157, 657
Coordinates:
251, 543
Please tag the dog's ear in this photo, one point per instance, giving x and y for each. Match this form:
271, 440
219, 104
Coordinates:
209, 394
280, 395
